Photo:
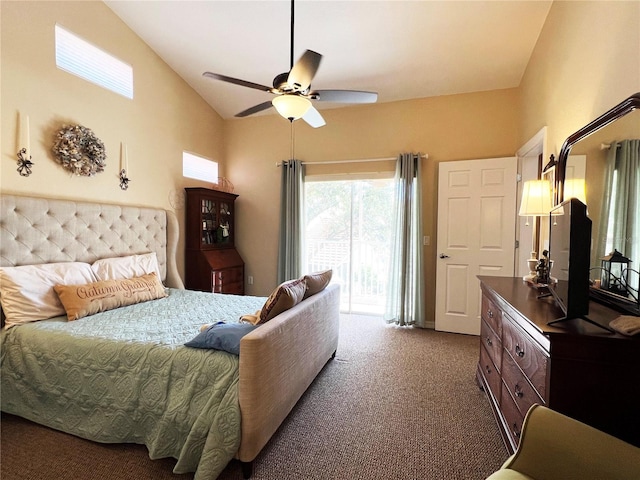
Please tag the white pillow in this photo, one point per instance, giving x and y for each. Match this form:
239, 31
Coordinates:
118, 268
26, 292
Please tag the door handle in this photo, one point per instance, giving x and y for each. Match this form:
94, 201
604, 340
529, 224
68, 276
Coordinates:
444, 255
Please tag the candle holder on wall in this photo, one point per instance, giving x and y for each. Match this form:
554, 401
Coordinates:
24, 163
124, 181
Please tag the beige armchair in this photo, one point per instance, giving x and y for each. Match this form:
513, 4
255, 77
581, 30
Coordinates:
554, 446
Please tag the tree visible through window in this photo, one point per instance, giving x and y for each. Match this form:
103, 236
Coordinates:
347, 229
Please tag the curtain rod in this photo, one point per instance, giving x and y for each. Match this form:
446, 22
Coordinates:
362, 160
605, 146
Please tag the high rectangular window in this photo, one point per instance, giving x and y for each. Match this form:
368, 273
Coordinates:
81, 58
200, 168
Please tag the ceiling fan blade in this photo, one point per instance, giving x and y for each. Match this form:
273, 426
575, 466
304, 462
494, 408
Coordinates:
304, 70
313, 118
344, 96
236, 81
255, 109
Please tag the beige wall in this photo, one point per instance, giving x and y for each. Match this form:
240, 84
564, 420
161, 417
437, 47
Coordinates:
586, 60
165, 117
457, 127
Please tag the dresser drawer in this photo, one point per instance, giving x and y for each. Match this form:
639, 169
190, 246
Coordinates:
491, 342
492, 315
518, 386
530, 358
491, 374
512, 417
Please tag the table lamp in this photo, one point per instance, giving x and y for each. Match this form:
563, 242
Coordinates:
536, 202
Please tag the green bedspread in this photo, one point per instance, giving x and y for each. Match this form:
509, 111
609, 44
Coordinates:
125, 376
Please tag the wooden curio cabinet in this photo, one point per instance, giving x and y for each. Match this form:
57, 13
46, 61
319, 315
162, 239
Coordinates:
212, 264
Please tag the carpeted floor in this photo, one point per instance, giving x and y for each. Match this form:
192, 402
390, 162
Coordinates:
396, 403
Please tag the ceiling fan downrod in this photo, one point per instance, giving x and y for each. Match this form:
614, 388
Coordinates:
292, 23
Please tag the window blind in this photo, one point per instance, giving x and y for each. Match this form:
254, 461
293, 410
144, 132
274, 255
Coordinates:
200, 168
79, 57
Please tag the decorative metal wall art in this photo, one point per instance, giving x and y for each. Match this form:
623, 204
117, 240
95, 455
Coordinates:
79, 150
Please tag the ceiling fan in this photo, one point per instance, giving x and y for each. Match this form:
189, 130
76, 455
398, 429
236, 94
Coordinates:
292, 89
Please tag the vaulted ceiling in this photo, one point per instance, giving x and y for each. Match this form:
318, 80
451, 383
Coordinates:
400, 49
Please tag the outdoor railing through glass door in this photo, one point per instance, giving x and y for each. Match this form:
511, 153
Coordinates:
347, 229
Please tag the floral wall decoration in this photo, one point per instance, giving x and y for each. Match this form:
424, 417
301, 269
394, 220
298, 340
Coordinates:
78, 150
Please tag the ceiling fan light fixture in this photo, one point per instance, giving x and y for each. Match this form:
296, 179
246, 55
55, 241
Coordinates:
291, 107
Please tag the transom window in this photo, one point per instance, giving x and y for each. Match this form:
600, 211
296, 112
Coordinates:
85, 60
200, 168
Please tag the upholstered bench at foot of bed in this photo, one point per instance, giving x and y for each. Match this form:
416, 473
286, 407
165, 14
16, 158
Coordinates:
278, 362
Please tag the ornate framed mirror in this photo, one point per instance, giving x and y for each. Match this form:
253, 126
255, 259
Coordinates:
595, 140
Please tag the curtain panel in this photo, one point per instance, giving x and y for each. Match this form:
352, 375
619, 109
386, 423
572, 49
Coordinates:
291, 221
620, 217
405, 297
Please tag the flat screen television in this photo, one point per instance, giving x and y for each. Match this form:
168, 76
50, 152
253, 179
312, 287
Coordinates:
569, 250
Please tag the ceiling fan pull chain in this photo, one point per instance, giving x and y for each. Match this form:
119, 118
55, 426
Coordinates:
292, 140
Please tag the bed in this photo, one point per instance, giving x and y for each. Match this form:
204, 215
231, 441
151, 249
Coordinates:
124, 375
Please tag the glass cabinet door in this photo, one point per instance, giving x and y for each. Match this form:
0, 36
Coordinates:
226, 223
209, 219
208, 214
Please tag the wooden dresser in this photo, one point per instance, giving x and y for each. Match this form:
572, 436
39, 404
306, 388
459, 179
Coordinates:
573, 367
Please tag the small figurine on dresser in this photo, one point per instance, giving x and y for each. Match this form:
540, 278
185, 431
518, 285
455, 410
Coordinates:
542, 269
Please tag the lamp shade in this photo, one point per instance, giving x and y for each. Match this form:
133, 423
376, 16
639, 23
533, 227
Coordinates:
291, 107
575, 188
536, 198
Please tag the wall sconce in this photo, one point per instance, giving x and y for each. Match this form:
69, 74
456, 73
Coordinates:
124, 166
536, 202
552, 163
24, 154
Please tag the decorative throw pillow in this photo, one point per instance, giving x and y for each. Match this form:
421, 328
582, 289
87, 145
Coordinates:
283, 298
26, 292
129, 266
222, 336
88, 299
316, 282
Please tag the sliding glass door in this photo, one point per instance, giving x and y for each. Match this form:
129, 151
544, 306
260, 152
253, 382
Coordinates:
348, 229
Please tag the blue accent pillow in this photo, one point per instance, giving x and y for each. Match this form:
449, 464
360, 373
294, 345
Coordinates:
222, 336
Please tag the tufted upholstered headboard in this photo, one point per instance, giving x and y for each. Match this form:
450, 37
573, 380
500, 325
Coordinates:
37, 230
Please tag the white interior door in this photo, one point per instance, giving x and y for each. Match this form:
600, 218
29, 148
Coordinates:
476, 236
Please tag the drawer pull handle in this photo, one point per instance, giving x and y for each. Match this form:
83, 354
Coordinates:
518, 391
515, 430
489, 342
519, 351
490, 313
487, 368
